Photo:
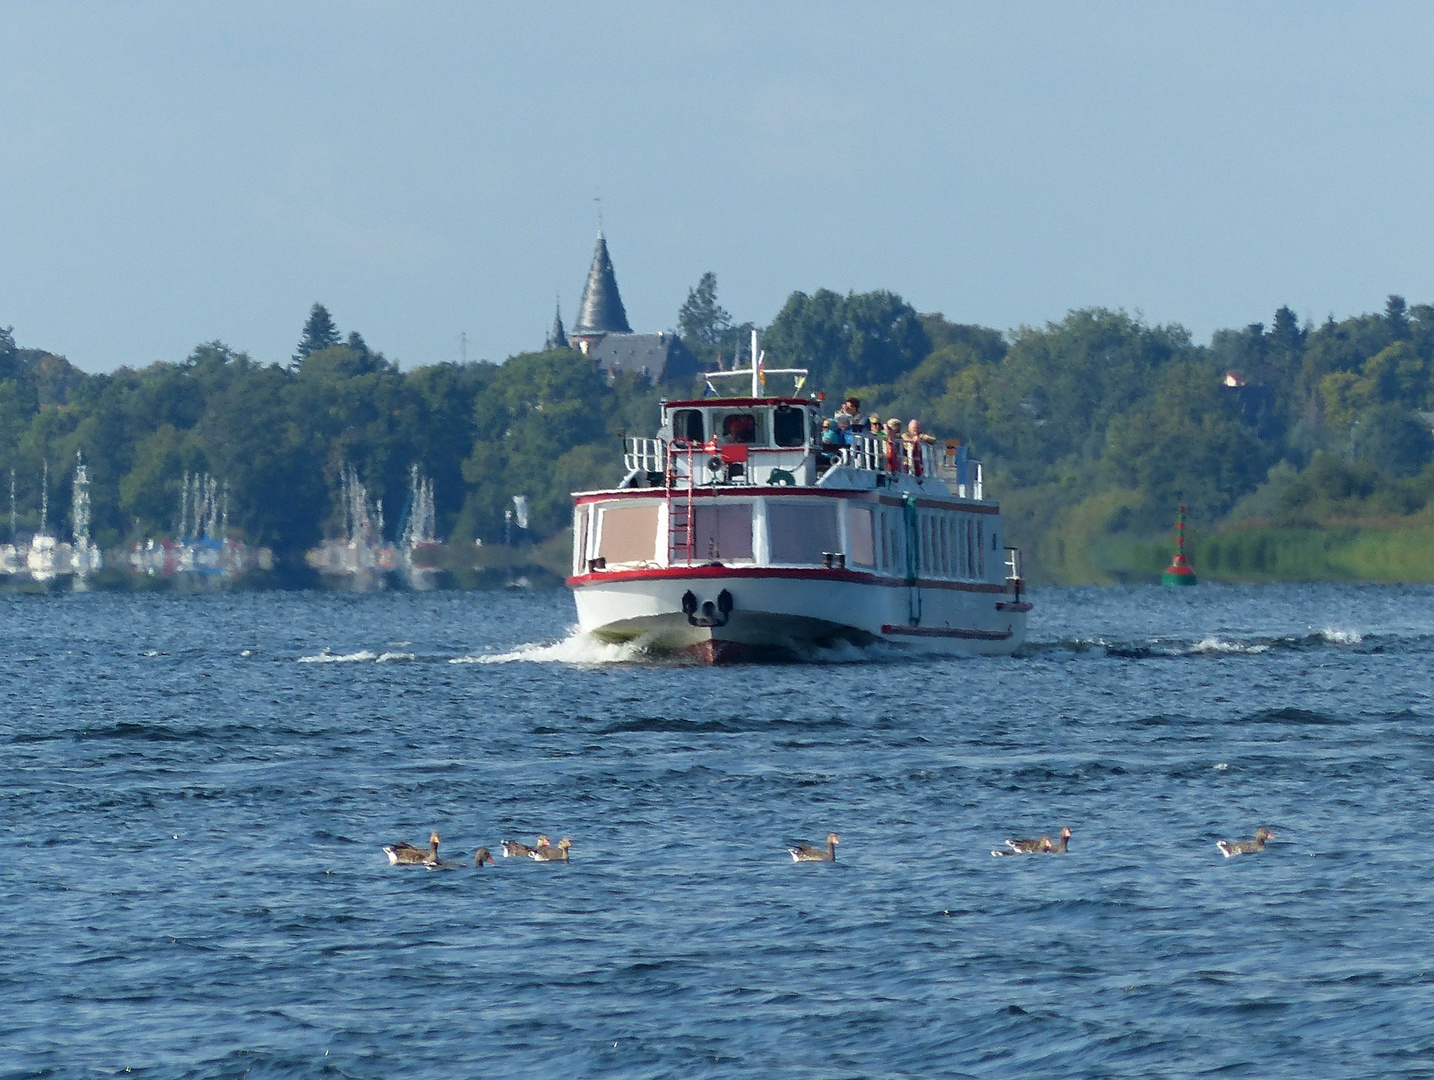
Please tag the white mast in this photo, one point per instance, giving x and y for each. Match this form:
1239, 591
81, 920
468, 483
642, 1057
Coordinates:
756, 370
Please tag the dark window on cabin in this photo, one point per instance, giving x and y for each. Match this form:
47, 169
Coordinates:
787, 426
740, 428
687, 424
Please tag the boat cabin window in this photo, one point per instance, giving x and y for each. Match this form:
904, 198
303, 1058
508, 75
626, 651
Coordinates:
687, 424
721, 533
862, 546
627, 534
739, 428
801, 531
788, 425
580, 531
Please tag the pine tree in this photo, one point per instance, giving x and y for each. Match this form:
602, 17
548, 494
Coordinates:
319, 333
701, 321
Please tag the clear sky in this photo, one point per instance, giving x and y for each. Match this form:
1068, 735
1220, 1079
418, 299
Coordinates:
173, 172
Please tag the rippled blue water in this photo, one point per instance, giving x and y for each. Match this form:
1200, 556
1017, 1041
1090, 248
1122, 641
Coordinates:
195, 792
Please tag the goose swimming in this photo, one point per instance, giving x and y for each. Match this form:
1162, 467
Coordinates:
1230, 848
1045, 845
551, 852
482, 856
516, 850
807, 853
404, 852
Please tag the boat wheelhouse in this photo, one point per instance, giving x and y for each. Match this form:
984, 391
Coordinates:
735, 535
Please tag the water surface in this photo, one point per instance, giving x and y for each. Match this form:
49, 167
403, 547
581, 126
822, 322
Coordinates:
195, 792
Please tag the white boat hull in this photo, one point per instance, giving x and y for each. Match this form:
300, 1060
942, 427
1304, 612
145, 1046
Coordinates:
786, 614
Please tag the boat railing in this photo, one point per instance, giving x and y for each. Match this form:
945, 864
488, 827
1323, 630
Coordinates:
1013, 564
645, 455
870, 453
1014, 581
925, 457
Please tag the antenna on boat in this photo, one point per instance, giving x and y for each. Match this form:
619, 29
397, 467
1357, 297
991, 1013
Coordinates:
756, 370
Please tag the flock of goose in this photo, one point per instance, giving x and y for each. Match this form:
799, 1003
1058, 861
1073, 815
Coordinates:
406, 854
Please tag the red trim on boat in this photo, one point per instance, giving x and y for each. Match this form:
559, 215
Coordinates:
766, 492
797, 573
742, 402
948, 632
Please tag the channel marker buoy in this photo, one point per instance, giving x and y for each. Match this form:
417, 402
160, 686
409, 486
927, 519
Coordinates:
1178, 573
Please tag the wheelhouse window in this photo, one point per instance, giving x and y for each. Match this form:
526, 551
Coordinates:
687, 425
627, 534
801, 531
788, 425
739, 428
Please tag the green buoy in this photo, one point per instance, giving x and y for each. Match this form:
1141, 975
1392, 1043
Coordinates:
1178, 573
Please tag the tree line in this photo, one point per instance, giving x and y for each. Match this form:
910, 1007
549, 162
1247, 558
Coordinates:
1098, 423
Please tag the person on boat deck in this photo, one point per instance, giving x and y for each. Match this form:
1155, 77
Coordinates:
914, 438
873, 425
843, 429
851, 409
894, 456
739, 428
831, 437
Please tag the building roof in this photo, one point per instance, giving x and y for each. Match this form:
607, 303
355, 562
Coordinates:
556, 338
601, 310
661, 357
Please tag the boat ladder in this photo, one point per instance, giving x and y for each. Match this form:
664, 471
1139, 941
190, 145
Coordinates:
681, 528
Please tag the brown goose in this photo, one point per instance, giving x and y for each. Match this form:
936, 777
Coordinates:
1045, 845
403, 852
517, 850
552, 852
807, 853
482, 856
1229, 848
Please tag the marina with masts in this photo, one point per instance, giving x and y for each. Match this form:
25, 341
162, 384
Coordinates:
43, 560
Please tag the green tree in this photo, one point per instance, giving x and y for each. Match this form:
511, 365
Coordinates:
701, 321
319, 333
847, 341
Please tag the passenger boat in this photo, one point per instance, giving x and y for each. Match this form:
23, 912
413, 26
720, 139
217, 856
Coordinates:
734, 536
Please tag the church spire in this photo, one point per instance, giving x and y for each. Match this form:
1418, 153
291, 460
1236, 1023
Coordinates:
557, 339
601, 311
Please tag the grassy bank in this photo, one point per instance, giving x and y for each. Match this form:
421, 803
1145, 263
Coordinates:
1387, 553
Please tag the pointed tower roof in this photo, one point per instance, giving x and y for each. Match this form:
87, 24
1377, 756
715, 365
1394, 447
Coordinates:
601, 310
557, 339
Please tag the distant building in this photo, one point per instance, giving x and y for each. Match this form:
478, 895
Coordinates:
601, 311
660, 357
601, 331
556, 338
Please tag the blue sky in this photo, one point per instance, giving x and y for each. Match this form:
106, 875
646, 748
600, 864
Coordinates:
172, 173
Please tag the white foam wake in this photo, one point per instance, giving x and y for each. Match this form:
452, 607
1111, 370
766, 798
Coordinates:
577, 648
326, 657
1341, 637
1214, 644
